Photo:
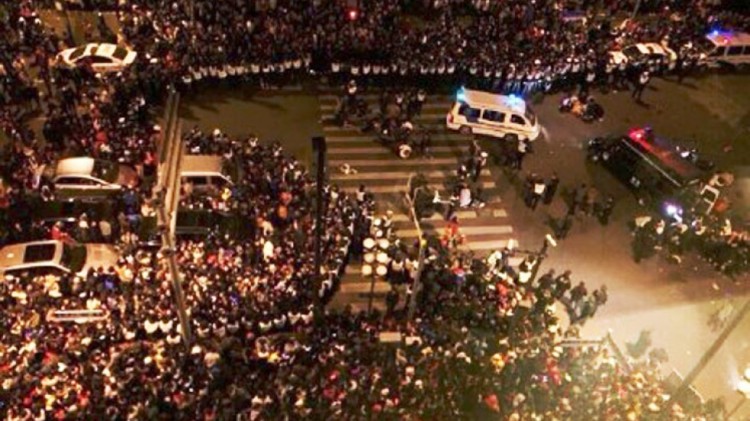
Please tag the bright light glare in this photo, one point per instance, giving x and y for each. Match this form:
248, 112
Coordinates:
461, 95
672, 210
743, 386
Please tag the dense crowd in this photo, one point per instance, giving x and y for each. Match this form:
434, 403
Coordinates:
711, 237
263, 344
514, 46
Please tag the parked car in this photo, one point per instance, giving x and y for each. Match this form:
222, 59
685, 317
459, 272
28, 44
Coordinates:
53, 256
197, 224
83, 173
66, 213
651, 53
103, 57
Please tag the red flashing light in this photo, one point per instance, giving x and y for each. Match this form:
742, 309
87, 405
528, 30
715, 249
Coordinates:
637, 134
352, 14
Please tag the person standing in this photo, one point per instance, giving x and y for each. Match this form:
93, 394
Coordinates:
551, 188
640, 85
520, 154
579, 198
480, 163
563, 226
391, 301
538, 192
605, 210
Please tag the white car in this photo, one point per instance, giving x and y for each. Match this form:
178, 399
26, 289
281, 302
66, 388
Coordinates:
84, 173
656, 55
56, 256
103, 57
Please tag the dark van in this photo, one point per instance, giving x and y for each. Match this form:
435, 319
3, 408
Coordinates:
650, 166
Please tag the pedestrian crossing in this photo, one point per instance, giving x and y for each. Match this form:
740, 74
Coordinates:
385, 175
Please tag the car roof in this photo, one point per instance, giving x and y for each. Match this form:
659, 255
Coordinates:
666, 158
491, 101
201, 164
75, 166
105, 50
35, 253
728, 38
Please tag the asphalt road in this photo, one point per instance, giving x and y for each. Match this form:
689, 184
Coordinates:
674, 302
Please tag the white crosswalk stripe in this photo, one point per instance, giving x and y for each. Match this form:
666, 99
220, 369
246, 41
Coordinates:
432, 126
444, 106
430, 115
395, 175
385, 176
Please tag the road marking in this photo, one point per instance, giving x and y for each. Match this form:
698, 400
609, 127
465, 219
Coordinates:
388, 162
363, 287
334, 129
400, 189
425, 116
435, 105
499, 213
376, 97
376, 149
467, 231
484, 245
462, 214
369, 137
395, 175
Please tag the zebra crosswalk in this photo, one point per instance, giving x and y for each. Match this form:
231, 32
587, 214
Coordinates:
385, 175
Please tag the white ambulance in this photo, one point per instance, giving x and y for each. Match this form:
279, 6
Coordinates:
484, 113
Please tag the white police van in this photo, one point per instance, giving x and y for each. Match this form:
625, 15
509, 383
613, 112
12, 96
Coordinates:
502, 116
727, 48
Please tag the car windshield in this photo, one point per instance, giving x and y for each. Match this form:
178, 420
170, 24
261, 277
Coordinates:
39, 253
105, 170
78, 52
632, 53
73, 257
530, 116
120, 53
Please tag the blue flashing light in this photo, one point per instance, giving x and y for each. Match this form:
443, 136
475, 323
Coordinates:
515, 102
673, 211
461, 95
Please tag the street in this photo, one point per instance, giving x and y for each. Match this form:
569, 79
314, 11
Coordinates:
673, 301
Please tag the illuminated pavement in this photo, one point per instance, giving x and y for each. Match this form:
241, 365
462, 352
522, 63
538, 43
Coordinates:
675, 302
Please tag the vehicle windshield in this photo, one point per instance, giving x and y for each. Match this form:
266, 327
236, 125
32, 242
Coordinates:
632, 53
530, 116
78, 52
120, 53
105, 170
705, 46
73, 257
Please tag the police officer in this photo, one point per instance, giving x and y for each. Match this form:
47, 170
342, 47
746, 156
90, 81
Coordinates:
510, 77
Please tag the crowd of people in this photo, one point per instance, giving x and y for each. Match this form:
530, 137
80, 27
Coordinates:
107, 344
514, 46
711, 237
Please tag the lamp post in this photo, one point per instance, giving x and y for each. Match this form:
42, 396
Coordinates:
410, 197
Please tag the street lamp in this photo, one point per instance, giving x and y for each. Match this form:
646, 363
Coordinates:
743, 387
